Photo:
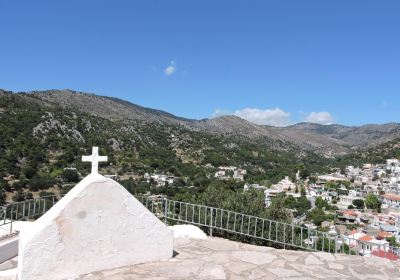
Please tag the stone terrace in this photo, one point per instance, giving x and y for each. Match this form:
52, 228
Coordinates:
217, 258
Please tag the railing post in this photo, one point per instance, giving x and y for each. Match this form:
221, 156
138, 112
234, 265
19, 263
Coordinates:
29, 209
11, 220
165, 210
211, 222
34, 208
292, 235
5, 214
336, 241
301, 237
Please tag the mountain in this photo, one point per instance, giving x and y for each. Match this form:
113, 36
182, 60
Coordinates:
44, 134
327, 140
351, 136
106, 107
324, 139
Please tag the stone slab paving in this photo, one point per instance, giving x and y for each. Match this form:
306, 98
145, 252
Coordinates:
216, 258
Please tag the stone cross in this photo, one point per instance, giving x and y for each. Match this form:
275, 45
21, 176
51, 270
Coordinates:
95, 159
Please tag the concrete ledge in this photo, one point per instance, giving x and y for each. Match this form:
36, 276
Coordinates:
9, 248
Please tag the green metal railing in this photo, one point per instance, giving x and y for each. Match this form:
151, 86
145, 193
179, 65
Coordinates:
223, 223
26, 210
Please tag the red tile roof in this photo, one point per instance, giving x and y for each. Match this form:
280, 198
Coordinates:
386, 255
350, 213
354, 231
391, 197
384, 234
365, 238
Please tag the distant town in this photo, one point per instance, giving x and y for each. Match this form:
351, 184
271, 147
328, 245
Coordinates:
359, 204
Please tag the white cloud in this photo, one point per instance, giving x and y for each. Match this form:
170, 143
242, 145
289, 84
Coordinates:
319, 117
171, 68
220, 112
275, 117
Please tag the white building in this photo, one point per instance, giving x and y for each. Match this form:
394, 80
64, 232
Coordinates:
391, 200
332, 177
254, 186
366, 245
160, 179
284, 185
239, 174
222, 174
393, 165
346, 200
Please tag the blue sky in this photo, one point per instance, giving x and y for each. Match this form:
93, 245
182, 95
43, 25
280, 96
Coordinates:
271, 62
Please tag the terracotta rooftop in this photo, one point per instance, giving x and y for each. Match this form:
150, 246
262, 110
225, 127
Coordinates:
384, 234
386, 255
391, 197
350, 213
366, 238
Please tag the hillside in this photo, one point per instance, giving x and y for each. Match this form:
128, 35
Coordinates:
43, 134
354, 137
327, 140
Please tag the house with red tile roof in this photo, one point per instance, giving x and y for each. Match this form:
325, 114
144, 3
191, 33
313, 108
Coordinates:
391, 200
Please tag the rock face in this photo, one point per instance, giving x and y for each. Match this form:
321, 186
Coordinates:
98, 225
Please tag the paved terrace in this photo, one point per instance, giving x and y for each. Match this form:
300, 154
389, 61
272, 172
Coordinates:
217, 258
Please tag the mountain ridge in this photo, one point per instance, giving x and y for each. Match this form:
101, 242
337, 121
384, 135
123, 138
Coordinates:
329, 140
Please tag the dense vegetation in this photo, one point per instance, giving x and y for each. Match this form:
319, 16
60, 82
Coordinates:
41, 148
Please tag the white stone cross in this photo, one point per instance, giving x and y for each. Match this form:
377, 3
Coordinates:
95, 159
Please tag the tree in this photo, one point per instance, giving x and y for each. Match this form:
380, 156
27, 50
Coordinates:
18, 196
2, 197
40, 183
301, 204
70, 175
304, 173
143, 187
358, 203
392, 241
326, 245
372, 202
129, 185
4, 186
28, 195
216, 194
320, 202
19, 185
277, 212
29, 172
44, 193
290, 202
317, 216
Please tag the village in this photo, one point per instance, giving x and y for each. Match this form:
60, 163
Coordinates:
361, 206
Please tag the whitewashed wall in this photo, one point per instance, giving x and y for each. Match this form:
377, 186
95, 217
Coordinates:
98, 225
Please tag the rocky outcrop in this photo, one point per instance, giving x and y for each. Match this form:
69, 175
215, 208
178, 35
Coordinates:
52, 124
